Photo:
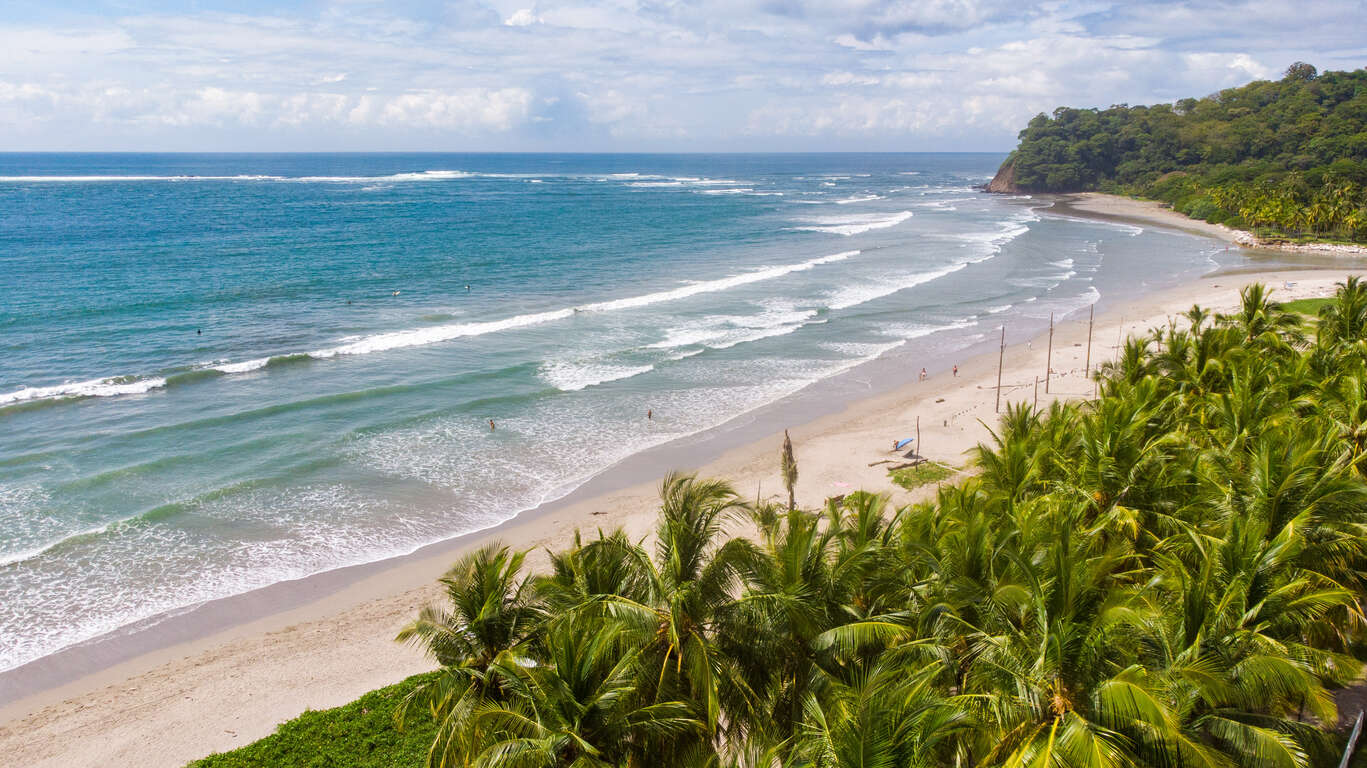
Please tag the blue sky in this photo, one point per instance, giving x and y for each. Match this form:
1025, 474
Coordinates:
622, 75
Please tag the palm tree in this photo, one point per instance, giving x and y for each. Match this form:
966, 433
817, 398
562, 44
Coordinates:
489, 611
579, 703
788, 468
1258, 315
1172, 574
1344, 320
888, 716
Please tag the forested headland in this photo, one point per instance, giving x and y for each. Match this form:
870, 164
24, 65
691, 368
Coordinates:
1285, 159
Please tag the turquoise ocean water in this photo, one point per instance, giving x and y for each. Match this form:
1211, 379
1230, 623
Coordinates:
222, 371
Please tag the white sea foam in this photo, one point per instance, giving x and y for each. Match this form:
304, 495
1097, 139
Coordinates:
413, 337
420, 336
243, 367
855, 223
854, 295
747, 191
432, 175
655, 184
381, 342
709, 286
78, 179
107, 387
993, 242
1061, 307
861, 350
726, 331
858, 199
572, 376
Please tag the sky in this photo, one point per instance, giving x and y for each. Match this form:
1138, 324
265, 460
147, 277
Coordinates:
622, 75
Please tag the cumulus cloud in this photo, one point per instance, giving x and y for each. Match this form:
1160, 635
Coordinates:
522, 17
608, 74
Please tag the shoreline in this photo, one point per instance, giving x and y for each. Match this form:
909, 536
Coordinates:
274, 657
1133, 210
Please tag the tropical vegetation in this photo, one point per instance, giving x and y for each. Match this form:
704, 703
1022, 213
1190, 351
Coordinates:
1283, 158
361, 734
1169, 575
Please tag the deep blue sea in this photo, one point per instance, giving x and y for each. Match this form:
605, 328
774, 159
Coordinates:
221, 371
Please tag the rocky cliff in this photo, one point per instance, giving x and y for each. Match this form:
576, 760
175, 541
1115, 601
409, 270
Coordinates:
1005, 180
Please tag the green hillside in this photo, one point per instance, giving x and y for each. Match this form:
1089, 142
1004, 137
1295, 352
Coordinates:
1285, 158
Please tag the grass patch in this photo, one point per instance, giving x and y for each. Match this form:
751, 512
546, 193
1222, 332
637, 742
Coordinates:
1307, 307
356, 735
912, 478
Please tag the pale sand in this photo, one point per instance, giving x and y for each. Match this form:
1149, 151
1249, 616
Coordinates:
1150, 212
220, 692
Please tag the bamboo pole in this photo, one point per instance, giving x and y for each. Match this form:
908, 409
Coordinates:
1049, 356
1091, 315
1001, 354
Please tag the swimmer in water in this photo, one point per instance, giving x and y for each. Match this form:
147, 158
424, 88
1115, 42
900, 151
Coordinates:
198, 332
491, 425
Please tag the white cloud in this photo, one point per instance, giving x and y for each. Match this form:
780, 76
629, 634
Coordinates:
605, 74
522, 17
478, 109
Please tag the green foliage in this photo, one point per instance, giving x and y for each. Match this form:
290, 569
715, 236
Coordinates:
1307, 307
1170, 575
361, 734
1287, 158
925, 473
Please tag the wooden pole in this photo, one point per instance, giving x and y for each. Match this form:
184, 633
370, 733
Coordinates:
1091, 315
1049, 357
918, 437
1352, 742
1001, 353
1037, 393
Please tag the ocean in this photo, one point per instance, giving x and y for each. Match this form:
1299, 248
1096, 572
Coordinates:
218, 372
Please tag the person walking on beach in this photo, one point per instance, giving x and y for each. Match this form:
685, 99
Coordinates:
923, 374
650, 415
956, 370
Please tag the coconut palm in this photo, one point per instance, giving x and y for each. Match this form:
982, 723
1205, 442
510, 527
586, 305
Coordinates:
1258, 314
1344, 320
579, 703
1169, 575
489, 611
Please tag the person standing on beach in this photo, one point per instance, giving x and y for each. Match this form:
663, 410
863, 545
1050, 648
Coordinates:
923, 374
956, 370
650, 415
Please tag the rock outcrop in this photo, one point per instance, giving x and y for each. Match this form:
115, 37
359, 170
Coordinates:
1005, 180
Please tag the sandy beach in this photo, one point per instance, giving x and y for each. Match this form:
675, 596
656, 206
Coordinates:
1148, 211
223, 690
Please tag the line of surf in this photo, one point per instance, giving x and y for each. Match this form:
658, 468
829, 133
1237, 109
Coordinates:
432, 175
125, 385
